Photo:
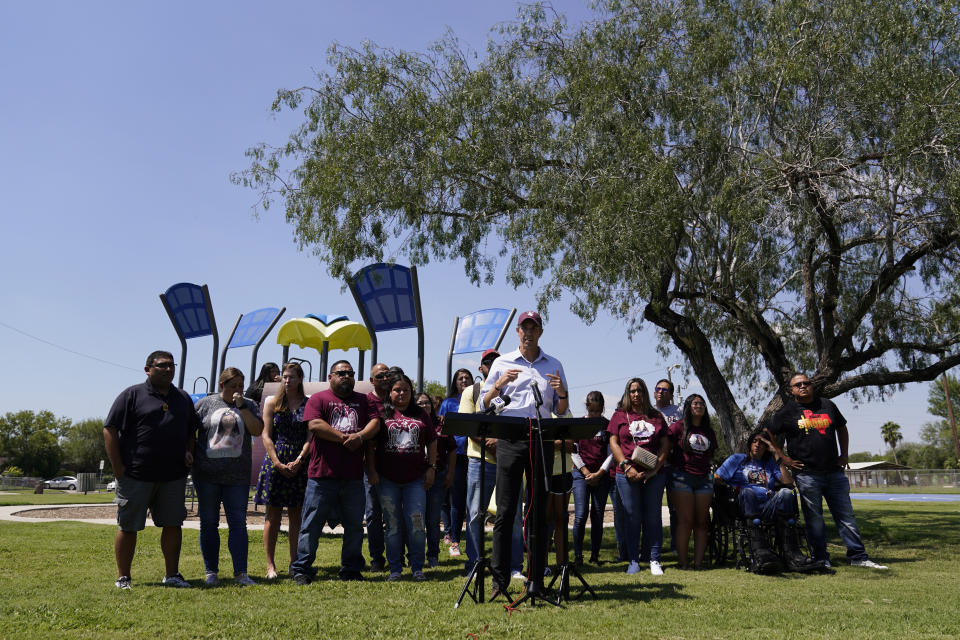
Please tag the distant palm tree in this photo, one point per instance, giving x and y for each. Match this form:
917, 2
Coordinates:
892, 436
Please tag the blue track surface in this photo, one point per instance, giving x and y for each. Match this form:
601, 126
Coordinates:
908, 497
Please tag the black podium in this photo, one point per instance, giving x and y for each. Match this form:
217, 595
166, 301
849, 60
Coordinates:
484, 426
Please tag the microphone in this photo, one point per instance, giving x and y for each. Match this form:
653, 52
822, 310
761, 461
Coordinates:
537, 397
497, 405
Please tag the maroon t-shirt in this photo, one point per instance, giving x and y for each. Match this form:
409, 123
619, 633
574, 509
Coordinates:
376, 404
696, 461
635, 430
346, 415
593, 451
402, 447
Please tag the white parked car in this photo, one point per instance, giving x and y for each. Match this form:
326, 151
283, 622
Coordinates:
112, 485
62, 482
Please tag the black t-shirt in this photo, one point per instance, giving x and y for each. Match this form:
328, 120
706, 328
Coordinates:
811, 433
154, 430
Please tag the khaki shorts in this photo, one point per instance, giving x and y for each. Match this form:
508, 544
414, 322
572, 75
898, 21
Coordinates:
164, 499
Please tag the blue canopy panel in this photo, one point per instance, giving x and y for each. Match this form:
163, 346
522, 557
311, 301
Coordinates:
252, 326
479, 331
189, 310
386, 292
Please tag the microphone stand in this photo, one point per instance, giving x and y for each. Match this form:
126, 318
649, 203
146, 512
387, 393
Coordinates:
477, 572
540, 482
567, 568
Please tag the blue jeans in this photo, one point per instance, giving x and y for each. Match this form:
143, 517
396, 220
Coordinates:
435, 497
767, 504
642, 503
374, 520
619, 521
477, 503
322, 496
407, 502
458, 498
234, 499
835, 489
596, 496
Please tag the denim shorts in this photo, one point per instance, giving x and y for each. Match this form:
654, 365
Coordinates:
689, 483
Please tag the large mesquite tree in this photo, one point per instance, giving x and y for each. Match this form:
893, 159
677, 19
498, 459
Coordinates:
774, 185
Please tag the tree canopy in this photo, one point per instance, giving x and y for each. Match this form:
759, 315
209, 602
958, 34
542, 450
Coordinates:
29, 441
774, 185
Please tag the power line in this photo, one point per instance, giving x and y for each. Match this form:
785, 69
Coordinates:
62, 348
624, 377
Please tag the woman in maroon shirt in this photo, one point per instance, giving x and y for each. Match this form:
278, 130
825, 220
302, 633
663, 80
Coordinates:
403, 463
637, 425
691, 483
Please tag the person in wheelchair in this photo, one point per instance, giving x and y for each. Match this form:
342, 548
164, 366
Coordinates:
764, 494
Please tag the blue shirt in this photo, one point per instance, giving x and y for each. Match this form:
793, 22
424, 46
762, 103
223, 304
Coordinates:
520, 391
740, 470
452, 405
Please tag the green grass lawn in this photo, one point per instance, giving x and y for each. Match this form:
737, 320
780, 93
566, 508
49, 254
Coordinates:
56, 581
52, 496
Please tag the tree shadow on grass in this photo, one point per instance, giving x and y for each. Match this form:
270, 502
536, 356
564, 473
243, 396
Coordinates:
639, 591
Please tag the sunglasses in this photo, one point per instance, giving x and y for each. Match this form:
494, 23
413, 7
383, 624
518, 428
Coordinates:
381, 376
344, 374
663, 389
802, 383
164, 365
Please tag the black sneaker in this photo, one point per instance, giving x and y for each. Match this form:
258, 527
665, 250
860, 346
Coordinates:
351, 576
377, 565
302, 579
123, 582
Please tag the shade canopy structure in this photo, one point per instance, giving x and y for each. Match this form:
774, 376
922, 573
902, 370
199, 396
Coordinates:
251, 329
191, 312
312, 332
388, 297
478, 331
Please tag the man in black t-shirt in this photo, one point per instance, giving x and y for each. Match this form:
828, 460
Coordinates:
149, 436
813, 427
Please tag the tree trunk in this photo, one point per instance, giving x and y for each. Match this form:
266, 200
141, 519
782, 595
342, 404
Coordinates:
688, 338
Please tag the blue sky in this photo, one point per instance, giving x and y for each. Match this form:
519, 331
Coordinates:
120, 123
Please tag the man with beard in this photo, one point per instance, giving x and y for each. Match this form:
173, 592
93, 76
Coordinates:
381, 379
340, 421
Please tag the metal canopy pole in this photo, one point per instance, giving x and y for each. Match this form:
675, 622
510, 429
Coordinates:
419, 319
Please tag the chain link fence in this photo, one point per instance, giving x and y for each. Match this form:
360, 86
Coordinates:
920, 478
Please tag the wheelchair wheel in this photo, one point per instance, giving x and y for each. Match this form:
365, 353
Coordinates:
719, 550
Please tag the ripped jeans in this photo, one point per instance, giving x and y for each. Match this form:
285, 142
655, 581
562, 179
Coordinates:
407, 501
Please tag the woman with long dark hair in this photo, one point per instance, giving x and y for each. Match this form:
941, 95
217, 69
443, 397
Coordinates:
691, 483
402, 459
591, 484
640, 446
283, 475
269, 372
455, 510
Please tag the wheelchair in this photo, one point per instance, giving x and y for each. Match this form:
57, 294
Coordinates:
762, 548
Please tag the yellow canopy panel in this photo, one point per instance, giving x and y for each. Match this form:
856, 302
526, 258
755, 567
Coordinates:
310, 333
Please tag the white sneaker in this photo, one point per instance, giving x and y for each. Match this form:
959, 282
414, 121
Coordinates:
176, 581
655, 568
516, 575
244, 580
212, 579
867, 564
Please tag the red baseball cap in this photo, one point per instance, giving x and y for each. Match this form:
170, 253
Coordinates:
530, 315
488, 353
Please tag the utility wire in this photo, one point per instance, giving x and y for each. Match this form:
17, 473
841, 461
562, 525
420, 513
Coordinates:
62, 348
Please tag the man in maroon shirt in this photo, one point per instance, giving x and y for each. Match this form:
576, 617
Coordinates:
340, 421
381, 380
